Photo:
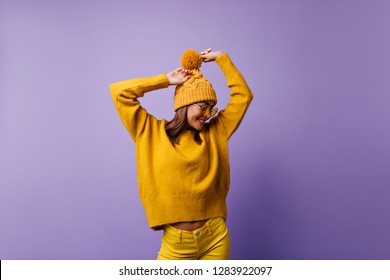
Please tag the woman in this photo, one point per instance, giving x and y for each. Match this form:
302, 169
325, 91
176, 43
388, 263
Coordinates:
183, 165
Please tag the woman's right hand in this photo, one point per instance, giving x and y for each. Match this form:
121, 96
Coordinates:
178, 76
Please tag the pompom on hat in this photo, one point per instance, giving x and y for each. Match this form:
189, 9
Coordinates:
196, 88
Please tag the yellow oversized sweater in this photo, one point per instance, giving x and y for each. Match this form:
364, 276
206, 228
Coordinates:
187, 181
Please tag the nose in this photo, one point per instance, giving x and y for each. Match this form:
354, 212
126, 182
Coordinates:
207, 115
208, 112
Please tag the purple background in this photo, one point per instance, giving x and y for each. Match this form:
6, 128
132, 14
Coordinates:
309, 165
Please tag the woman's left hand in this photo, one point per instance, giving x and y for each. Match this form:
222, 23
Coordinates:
208, 55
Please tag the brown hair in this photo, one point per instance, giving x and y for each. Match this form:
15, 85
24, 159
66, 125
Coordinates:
178, 124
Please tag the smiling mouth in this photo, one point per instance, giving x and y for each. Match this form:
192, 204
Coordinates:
202, 121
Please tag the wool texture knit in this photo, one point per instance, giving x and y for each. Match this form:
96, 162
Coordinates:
196, 88
187, 181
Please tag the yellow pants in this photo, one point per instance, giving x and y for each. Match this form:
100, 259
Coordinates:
210, 242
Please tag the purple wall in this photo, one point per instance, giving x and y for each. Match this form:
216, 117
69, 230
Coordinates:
310, 163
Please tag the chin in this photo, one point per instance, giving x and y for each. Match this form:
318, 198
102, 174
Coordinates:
198, 127
197, 124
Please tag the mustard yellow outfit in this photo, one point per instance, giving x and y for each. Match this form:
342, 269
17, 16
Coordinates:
187, 181
210, 242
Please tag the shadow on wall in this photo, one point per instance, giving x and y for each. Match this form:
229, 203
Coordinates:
260, 213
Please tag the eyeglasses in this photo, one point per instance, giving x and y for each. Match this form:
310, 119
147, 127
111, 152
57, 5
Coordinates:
206, 109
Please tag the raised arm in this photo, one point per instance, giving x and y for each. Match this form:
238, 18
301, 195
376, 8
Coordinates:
125, 95
240, 94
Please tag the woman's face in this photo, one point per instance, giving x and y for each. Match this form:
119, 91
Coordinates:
198, 113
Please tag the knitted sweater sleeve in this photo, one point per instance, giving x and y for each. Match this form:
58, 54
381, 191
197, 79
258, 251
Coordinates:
240, 96
125, 95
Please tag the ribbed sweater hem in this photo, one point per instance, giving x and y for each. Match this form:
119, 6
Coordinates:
160, 211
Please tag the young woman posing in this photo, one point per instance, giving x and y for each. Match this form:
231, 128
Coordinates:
183, 164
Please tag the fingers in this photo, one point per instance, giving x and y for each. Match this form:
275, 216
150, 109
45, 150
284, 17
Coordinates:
206, 55
183, 71
206, 51
184, 74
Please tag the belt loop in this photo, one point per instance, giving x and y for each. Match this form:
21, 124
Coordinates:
209, 230
178, 237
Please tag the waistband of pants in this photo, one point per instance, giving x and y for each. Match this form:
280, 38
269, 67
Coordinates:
206, 227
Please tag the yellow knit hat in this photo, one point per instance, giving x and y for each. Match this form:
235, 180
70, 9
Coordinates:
196, 88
